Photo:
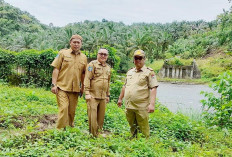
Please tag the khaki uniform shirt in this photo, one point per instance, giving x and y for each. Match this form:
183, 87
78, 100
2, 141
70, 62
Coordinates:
71, 66
97, 80
137, 88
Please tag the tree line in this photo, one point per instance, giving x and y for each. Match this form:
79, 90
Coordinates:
21, 31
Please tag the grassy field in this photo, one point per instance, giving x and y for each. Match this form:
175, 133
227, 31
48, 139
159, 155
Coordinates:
27, 128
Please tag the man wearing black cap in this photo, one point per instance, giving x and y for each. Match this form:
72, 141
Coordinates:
140, 94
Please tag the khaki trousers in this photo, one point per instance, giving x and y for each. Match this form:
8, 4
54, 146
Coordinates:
67, 102
96, 114
138, 120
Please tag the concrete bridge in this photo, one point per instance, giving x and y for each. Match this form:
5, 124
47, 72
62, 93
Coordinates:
181, 72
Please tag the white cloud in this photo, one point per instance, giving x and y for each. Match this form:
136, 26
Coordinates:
62, 12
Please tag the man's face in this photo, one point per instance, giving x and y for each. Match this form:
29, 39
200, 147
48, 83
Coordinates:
102, 55
139, 61
75, 44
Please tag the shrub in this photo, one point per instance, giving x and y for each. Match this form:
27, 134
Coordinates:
7, 60
115, 89
32, 67
219, 108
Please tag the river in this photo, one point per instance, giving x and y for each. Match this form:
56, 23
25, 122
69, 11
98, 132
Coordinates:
182, 97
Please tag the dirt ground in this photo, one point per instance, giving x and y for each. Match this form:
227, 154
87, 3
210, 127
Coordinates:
47, 122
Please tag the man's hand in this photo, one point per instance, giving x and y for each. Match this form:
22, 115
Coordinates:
151, 108
54, 90
88, 97
119, 102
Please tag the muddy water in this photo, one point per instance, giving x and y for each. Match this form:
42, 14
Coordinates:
182, 97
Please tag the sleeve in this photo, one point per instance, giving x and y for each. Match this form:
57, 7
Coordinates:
108, 90
88, 76
57, 62
152, 80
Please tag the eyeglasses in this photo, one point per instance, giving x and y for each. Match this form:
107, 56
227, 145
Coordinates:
103, 54
138, 58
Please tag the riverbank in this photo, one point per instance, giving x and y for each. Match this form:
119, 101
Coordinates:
27, 128
184, 81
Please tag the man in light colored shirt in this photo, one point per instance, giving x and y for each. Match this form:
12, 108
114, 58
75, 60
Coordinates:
139, 92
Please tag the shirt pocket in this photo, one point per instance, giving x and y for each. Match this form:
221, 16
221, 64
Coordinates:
81, 66
129, 80
98, 72
107, 74
142, 80
67, 62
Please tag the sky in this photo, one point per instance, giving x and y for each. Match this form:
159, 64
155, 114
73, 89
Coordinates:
63, 12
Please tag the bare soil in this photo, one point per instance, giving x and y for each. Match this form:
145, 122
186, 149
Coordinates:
41, 122
47, 122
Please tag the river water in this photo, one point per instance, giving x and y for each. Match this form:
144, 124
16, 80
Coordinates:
182, 97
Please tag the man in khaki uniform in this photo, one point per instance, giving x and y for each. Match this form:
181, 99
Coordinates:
67, 77
140, 94
97, 82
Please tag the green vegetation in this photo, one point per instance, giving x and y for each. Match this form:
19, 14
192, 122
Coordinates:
32, 67
219, 107
28, 115
156, 65
178, 61
12, 20
214, 65
29, 67
183, 81
211, 67
160, 41
27, 129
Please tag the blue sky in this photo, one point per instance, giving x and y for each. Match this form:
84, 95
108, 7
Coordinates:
62, 12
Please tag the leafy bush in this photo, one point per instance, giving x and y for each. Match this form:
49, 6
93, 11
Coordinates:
179, 61
168, 55
115, 89
156, 65
219, 108
7, 59
179, 127
213, 66
113, 59
32, 67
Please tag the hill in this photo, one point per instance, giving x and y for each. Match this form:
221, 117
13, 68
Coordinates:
196, 39
13, 19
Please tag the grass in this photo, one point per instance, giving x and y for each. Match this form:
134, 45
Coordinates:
30, 108
156, 65
214, 65
192, 114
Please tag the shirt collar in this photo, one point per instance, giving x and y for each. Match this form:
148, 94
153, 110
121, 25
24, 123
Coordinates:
142, 69
71, 51
99, 63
